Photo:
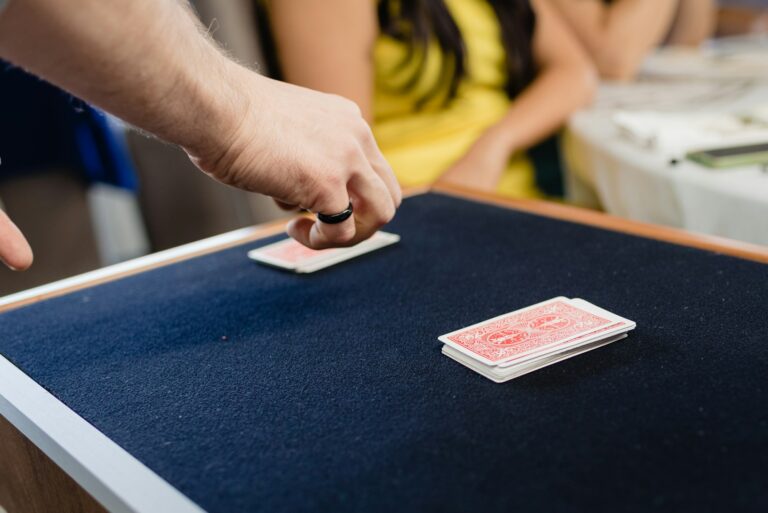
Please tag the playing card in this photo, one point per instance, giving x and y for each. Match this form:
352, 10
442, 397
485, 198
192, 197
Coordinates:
528, 331
580, 341
502, 374
526, 340
619, 325
289, 254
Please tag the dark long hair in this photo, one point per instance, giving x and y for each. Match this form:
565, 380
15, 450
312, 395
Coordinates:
417, 22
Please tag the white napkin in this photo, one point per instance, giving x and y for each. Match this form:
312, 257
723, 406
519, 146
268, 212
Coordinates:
675, 134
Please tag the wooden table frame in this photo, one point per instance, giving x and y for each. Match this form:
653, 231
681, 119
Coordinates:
554, 210
63, 440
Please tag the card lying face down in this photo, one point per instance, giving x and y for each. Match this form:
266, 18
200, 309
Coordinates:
519, 342
289, 254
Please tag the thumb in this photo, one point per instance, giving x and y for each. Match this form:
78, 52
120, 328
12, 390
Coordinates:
14, 248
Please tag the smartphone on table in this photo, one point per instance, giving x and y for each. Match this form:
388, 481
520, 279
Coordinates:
735, 156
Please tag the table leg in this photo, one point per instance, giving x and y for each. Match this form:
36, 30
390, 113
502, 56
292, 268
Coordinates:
31, 483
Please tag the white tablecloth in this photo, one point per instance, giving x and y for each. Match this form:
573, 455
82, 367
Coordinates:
654, 184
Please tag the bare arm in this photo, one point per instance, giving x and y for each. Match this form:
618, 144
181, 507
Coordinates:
733, 21
329, 47
140, 60
618, 36
148, 62
694, 22
326, 45
565, 82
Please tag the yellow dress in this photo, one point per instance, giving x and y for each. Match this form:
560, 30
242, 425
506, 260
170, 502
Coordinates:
422, 144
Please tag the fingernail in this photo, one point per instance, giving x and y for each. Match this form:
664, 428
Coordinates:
9, 266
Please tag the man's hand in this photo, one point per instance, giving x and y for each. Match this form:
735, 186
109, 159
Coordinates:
14, 250
152, 64
305, 149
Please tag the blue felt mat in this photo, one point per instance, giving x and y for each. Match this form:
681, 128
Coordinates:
251, 389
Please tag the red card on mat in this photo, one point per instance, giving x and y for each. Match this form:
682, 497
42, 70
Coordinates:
289, 254
293, 252
525, 331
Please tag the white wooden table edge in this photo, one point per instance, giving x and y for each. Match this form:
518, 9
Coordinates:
120, 482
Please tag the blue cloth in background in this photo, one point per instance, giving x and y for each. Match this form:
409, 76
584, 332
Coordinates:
44, 128
252, 389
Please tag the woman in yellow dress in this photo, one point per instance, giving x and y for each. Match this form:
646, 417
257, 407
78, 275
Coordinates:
455, 90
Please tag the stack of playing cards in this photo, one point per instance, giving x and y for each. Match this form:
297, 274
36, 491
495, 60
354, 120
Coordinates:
526, 340
289, 254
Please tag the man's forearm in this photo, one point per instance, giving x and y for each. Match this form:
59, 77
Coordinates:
98, 50
147, 62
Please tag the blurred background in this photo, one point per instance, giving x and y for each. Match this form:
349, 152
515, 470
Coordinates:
89, 191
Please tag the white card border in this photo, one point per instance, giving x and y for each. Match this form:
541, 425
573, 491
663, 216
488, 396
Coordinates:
487, 371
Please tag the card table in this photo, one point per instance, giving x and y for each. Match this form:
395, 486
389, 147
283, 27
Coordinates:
197, 380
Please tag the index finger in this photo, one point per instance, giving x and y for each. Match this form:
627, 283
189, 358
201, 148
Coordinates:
14, 248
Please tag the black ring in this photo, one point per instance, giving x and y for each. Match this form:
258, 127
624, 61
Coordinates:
336, 218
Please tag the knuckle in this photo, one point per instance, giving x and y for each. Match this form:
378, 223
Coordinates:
304, 178
383, 216
398, 197
345, 234
363, 131
353, 108
346, 106
349, 154
307, 192
332, 183
389, 215
326, 194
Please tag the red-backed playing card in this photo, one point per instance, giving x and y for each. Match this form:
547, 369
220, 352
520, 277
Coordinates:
289, 254
526, 331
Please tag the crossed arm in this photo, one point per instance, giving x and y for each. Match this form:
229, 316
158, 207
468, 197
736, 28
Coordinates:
620, 34
734, 21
